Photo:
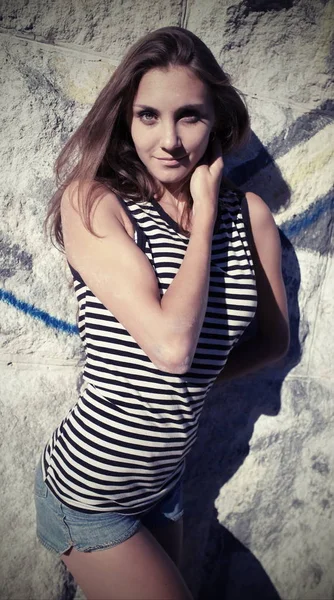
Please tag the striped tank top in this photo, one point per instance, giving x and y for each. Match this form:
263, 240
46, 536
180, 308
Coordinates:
122, 446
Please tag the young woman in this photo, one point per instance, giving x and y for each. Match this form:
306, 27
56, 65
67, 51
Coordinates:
167, 278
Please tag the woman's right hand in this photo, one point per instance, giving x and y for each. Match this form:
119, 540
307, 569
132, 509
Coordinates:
205, 182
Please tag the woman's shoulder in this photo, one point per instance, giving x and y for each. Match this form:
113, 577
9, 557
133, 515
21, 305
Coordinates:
79, 193
259, 211
96, 200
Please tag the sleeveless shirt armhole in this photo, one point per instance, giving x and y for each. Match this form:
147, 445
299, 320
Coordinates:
252, 327
140, 237
247, 223
75, 273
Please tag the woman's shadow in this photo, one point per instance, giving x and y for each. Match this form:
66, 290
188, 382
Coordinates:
216, 565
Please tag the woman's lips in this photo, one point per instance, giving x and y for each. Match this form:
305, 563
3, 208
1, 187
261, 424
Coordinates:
171, 161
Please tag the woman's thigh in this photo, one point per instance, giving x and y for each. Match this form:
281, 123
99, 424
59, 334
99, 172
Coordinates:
170, 537
137, 568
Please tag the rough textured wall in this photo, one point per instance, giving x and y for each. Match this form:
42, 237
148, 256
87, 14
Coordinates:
259, 489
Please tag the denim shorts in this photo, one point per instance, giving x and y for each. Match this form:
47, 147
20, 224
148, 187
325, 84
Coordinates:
59, 527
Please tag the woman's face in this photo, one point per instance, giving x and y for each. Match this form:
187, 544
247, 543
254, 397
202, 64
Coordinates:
172, 118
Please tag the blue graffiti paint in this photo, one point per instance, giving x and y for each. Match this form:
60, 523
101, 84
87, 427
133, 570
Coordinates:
303, 221
36, 313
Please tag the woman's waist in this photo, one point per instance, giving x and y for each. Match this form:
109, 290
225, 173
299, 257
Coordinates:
147, 406
77, 486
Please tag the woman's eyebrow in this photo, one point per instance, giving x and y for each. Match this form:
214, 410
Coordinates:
181, 108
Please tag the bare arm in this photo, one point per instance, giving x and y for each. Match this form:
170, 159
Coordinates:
186, 298
272, 341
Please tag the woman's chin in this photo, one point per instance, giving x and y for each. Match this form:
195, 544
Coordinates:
171, 179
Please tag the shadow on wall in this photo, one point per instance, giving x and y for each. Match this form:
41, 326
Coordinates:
228, 570
234, 573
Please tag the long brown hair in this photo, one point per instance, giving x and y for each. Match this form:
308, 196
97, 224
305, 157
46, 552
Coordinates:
101, 150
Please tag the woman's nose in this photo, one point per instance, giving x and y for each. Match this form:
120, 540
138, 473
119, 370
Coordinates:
169, 137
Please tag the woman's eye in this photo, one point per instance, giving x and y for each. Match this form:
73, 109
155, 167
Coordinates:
146, 117
190, 118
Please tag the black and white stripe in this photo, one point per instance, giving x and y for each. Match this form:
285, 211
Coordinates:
123, 445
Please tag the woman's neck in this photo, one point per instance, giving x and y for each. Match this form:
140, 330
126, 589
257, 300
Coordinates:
174, 197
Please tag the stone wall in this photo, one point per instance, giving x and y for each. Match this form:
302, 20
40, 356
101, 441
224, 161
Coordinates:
259, 487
